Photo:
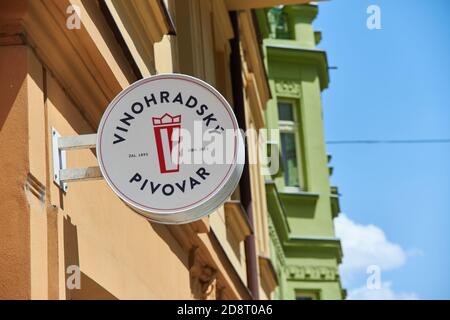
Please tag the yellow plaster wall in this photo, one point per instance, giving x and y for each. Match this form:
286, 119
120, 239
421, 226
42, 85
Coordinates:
14, 207
120, 254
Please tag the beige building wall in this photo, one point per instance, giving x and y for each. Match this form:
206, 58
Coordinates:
15, 214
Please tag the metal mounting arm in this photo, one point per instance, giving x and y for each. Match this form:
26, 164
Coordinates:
60, 145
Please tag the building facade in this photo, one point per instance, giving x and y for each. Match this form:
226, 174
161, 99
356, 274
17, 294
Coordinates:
62, 62
301, 203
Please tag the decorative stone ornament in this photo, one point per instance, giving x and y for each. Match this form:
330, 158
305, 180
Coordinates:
169, 146
287, 88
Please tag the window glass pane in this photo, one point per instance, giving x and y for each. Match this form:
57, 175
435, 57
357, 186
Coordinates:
285, 111
290, 162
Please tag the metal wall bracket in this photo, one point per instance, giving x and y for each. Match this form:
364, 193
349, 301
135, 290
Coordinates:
59, 160
60, 145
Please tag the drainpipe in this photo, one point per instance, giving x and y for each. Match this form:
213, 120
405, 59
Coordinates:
244, 185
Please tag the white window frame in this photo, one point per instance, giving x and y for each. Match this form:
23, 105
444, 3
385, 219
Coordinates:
293, 127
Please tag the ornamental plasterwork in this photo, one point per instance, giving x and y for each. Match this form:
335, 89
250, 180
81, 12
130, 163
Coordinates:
287, 88
203, 279
276, 242
315, 273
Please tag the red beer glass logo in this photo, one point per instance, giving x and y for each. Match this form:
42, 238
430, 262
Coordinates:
167, 136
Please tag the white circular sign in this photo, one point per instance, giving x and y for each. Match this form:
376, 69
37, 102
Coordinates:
169, 146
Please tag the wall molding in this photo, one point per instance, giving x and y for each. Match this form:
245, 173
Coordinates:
312, 273
277, 244
287, 88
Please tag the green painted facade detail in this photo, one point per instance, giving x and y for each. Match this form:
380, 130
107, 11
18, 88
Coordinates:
301, 202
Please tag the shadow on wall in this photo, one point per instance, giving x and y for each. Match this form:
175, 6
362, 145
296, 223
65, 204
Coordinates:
15, 265
166, 232
202, 276
89, 289
11, 79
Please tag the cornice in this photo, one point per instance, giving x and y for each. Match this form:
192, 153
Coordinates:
327, 245
290, 51
299, 196
276, 210
307, 12
312, 273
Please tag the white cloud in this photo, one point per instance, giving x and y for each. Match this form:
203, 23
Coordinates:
365, 245
384, 293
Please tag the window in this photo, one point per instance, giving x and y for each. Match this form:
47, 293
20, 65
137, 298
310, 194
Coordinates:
290, 163
306, 295
286, 111
290, 142
279, 24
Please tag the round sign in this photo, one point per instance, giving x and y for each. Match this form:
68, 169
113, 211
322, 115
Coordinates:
169, 146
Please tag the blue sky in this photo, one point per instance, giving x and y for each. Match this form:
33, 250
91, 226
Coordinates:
392, 83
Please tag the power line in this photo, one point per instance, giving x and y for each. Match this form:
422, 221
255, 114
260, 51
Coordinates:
408, 141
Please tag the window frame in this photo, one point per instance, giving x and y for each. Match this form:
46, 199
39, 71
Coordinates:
309, 294
287, 126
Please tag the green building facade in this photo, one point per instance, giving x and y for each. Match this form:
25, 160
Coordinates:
301, 202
